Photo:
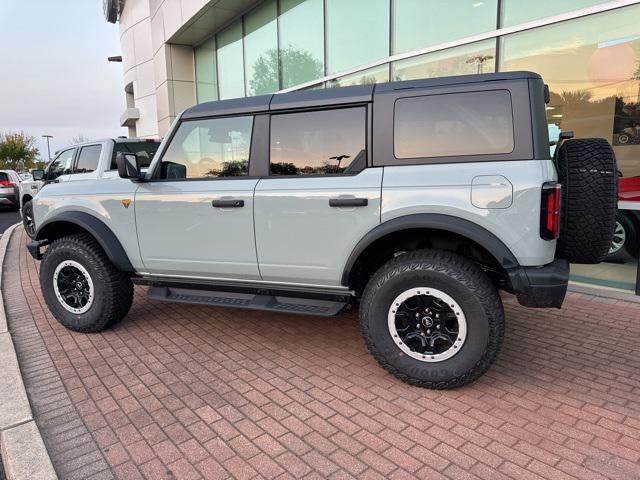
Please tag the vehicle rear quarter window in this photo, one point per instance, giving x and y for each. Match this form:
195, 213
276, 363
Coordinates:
144, 150
318, 143
455, 124
209, 148
88, 159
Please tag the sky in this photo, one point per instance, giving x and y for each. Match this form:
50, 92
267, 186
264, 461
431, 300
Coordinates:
54, 75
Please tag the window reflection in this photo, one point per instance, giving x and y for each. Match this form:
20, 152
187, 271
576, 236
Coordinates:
419, 23
217, 147
205, 64
477, 57
366, 77
301, 30
357, 33
231, 62
261, 49
318, 143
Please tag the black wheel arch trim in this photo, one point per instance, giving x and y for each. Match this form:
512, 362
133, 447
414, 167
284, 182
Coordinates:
96, 228
434, 221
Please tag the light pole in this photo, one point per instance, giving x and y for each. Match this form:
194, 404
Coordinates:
48, 149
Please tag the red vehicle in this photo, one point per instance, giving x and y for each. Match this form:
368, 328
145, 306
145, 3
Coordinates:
626, 241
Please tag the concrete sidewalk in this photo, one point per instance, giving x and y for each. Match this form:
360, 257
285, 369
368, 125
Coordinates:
188, 392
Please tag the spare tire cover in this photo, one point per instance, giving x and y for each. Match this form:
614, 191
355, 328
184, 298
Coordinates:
589, 176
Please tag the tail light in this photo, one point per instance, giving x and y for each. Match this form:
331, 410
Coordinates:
550, 211
7, 183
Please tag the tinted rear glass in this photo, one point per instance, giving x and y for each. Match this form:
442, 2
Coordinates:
4, 177
145, 151
88, 159
454, 124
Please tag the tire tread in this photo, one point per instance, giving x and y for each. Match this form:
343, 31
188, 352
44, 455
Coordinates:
461, 270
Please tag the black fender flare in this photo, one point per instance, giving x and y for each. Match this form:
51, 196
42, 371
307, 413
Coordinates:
97, 228
434, 221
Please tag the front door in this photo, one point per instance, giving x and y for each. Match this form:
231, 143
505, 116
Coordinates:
195, 217
319, 199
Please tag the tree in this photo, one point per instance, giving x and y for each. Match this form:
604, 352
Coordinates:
17, 151
298, 66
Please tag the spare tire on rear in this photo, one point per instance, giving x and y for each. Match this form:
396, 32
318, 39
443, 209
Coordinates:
588, 173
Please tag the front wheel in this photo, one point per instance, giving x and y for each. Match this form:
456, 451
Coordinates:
81, 287
27, 219
432, 319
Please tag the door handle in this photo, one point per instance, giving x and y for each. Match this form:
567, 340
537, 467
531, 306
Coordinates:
348, 202
227, 203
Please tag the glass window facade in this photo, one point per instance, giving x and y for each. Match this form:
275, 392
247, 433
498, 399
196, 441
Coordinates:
261, 49
591, 63
301, 41
518, 11
365, 77
468, 59
230, 56
416, 26
350, 38
206, 71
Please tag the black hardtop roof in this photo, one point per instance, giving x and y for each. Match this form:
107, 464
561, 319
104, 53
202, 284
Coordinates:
335, 96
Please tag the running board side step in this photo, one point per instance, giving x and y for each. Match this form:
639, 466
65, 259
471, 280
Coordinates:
305, 306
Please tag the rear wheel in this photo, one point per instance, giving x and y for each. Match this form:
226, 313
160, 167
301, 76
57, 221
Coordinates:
27, 219
432, 319
81, 287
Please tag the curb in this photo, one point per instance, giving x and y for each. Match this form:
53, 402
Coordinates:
23, 452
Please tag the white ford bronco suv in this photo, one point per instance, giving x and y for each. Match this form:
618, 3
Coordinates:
415, 202
92, 160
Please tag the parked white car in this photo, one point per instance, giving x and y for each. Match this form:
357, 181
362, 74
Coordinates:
86, 161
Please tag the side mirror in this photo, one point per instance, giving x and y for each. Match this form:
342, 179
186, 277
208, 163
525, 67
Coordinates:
128, 165
37, 174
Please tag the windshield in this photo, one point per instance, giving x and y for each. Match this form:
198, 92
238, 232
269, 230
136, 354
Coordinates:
144, 150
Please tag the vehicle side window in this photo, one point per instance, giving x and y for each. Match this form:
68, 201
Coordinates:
318, 143
453, 124
209, 148
61, 165
144, 150
88, 159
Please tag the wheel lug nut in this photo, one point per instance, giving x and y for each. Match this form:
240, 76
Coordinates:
417, 325
428, 331
438, 327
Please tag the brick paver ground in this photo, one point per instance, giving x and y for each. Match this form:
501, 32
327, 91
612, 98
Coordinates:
193, 392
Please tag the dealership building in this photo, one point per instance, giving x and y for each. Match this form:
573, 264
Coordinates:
177, 53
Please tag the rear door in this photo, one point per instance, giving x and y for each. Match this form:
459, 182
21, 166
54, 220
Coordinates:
319, 199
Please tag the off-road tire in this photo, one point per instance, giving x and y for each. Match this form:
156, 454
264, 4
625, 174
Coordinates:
588, 173
113, 290
27, 212
462, 280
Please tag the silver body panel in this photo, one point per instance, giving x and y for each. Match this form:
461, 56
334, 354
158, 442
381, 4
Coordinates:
299, 237
287, 233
